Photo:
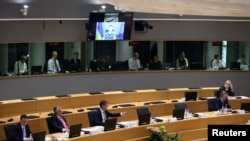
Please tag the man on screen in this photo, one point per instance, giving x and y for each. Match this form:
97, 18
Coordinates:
109, 34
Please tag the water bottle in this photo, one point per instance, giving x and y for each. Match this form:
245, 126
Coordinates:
31, 138
225, 109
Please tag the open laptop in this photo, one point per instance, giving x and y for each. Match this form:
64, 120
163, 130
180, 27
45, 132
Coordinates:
36, 69
144, 118
75, 130
190, 96
39, 136
179, 113
110, 124
245, 106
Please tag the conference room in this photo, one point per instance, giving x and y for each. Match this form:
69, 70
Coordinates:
78, 87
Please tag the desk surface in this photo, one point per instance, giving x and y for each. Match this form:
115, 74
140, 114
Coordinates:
182, 126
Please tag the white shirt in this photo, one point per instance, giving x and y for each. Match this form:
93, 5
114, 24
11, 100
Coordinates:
22, 67
104, 116
133, 64
52, 64
216, 64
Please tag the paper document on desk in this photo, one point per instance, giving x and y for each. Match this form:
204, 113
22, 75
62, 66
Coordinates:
128, 124
201, 115
94, 130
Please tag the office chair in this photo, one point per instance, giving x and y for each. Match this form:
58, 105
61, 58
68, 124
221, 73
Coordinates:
9, 129
181, 105
91, 116
49, 125
142, 110
212, 104
216, 93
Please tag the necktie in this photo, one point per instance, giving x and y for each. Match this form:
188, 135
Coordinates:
63, 123
56, 68
24, 132
104, 116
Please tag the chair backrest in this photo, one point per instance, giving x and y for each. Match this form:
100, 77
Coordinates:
91, 116
216, 93
212, 104
48, 121
142, 110
9, 129
181, 105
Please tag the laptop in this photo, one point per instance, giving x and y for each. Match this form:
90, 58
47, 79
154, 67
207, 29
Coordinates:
179, 113
110, 124
144, 118
39, 136
245, 106
190, 96
75, 130
36, 69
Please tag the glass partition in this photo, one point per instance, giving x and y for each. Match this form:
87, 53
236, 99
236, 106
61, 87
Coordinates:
114, 56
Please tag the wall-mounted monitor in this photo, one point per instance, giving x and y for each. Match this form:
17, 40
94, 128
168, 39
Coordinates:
110, 26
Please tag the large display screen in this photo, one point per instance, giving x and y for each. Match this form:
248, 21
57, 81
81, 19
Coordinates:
110, 26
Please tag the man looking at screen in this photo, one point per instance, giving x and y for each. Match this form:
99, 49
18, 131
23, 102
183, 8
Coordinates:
110, 34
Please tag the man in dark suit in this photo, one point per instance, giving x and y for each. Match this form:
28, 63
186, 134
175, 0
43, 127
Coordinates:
102, 114
228, 87
21, 130
58, 122
222, 101
75, 63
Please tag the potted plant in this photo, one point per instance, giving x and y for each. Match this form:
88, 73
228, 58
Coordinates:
160, 134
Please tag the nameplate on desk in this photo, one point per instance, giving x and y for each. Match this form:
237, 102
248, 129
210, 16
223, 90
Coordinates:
62, 95
161, 89
128, 91
94, 93
173, 119
27, 99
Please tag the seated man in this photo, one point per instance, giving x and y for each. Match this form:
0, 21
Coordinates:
22, 130
102, 114
58, 121
134, 62
155, 64
228, 87
222, 101
20, 66
75, 63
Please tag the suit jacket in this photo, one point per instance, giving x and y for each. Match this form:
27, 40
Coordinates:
220, 104
18, 132
98, 117
55, 124
229, 91
75, 65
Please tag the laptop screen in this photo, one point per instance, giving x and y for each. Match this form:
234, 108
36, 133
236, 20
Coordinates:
245, 106
179, 113
110, 124
144, 118
75, 130
39, 136
190, 96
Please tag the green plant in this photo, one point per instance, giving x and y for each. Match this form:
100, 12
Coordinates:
160, 134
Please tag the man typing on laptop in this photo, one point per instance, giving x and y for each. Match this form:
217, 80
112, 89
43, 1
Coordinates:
103, 114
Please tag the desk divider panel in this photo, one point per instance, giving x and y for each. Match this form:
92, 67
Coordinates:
119, 98
49, 104
18, 108
85, 100
236, 103
151, 96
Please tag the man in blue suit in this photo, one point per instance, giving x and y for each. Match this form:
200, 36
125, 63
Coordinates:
102, 114
222, 101
21, 129
58, 122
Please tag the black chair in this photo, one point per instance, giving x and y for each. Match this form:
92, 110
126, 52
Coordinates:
48, 121
212, 104
142, 110
181, 105
9, 129
91, 116
216, 93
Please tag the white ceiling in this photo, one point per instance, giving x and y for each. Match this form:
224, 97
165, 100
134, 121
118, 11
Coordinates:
224, 8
